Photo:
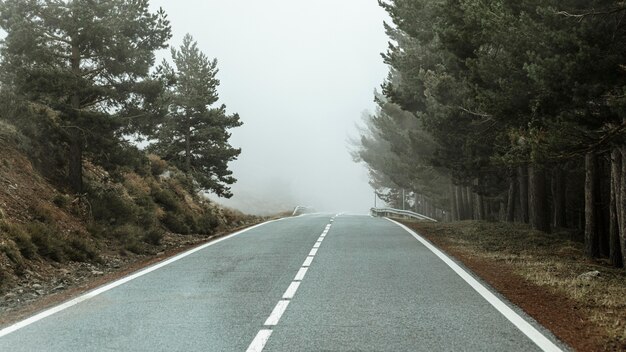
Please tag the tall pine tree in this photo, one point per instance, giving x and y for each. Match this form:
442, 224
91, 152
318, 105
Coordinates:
85, 59
193, 134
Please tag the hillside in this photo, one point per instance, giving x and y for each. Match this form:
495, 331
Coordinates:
51, 241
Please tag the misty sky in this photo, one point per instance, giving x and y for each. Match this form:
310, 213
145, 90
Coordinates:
300, 74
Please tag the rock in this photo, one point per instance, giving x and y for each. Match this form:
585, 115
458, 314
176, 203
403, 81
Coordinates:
59, 288
589, 275
36, 286
40, 292
96, 272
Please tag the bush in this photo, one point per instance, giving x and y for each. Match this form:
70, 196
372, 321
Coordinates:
167, 199
130, 237
157, 165
47, 240
176, 223
9, 248
79, 250
111, 205
43, 213
21, 239
154, 236
61, 200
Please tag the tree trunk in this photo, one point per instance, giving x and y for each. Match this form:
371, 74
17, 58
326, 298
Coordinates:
622, 206
481, 207
537, 198
454, 209
75, 159
591, 233
558, 193
511, 198
459, 202
615, 252
603, 193
523, 193
470, 202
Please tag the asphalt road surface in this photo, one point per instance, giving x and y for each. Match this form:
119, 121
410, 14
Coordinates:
318, 282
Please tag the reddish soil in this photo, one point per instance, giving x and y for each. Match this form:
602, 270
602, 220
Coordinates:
561, 315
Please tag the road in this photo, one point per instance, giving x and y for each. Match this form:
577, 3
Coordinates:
317, 282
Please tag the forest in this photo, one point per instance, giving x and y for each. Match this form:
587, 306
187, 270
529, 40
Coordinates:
505, 111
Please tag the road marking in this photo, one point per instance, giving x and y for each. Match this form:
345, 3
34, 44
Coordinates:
259, 341
525, 327
114, 284
263, 335
291, 290
300, 274
278, 311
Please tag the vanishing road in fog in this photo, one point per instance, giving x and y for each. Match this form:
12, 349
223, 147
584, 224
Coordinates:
309, 283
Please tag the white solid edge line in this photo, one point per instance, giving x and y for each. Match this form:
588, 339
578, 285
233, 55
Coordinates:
300, 274
307, 261
317, 244
260, 340
313, 252
278, 311
91, 294
525, 327
320, 239
291, 290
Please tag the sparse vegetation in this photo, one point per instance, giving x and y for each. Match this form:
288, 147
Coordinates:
553, 261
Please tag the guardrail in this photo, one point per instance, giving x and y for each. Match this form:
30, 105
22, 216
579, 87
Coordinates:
390, 212
299, 210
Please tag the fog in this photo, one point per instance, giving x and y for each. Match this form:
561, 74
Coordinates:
300, 74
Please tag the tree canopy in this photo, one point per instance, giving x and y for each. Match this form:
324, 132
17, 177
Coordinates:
522, 100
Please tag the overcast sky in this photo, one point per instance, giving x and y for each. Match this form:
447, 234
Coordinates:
300, 74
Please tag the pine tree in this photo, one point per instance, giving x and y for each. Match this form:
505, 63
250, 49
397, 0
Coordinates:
85, 59
193, 134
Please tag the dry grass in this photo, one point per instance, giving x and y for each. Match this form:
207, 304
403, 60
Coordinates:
548, 260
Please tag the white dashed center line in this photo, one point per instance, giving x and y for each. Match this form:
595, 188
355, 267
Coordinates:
263, 336
259, 341
278, 311
291, 290
301, 273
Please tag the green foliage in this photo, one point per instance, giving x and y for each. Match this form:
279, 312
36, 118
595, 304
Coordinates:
167, 199
494, 85
57, 55
43, 213
21, 239
61, 200
48, 241
111, 204
193, 134
12, 252
157, 165
177, 223
154, 236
